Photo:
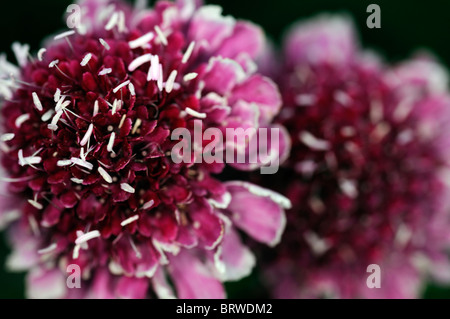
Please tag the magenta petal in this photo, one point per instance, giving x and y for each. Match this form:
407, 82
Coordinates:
261, 91
246, 38
8, 210
132, 288
237, 259
186, 237
209, 27
329, 40
102, 286
421, 73
46, 284
272, 149
51, 215
258, 211
222, 75
161, 286
24, 254
207, 226
193, 280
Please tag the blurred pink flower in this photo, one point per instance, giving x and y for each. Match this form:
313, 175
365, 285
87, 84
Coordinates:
86, 147
368, 171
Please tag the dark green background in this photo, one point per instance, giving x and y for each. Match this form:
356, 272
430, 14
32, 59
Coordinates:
406, 27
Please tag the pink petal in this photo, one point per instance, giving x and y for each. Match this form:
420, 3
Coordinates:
132, 288
263, 92
209, 28
207, 226
45, 284
222, 75
161, 286
193, 280
246, 38
237, 259
24, 254
102, 286
257, 211
326, 39
268, 150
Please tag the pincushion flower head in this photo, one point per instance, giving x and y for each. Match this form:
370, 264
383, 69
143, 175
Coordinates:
86, 153
367, 172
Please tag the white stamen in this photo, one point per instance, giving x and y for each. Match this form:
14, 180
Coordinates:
33, 225
318, 245
47, 115
129, 220
64, 105
61, 105
105, 71
161, 35
76, 252
35, 204
86, 59
141, 41
82, 155
127, 188
136, 126
188, 52
7, 137
349, 188
160, 78
376, 111
121, 86
121, 23
114, 107
41, 53
36, 101
105, 175
403, 235
111, 142
171, 81
122, 121
105, 44
112, 22
53, 125
343, 98
30, 160
48, 249
306, 99
96, 107
82, 163
64, 34
153, 71
136, 250
21, 119
189, 77
77, 180
57, 95
136, 63
148, 204
194, 113
62, 163
87, 136
53, 63
313, 142
86, 237
131, 88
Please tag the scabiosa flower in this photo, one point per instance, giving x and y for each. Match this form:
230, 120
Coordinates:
87, 151
367, 171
